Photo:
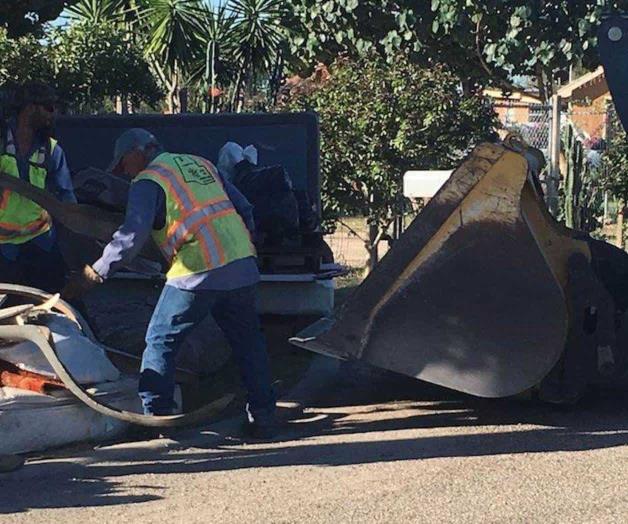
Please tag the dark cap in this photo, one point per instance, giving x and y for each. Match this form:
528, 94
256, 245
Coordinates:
136, 138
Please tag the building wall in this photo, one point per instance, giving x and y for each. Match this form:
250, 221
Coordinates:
513, 113
590, 118
587, 108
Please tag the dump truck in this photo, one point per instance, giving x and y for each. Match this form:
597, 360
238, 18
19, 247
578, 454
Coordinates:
297, 272
487, 293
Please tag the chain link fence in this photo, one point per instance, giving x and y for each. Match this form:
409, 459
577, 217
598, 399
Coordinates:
592, 128
533, 121
348, 248
348, 242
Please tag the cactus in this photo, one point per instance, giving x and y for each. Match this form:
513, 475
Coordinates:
582, 199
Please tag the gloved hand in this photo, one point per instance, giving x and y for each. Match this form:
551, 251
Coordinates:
80, 283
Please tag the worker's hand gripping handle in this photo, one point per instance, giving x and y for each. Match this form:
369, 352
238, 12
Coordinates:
80, 283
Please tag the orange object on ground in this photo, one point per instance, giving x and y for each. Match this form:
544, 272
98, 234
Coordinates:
12, 376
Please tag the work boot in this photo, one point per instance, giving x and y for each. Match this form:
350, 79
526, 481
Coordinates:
261, 425
259, 431
10, 463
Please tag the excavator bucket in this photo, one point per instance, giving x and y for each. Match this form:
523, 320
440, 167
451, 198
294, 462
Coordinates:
612, 47
473, 296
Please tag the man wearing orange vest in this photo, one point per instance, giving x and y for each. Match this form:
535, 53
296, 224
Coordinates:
201, 223
29, 252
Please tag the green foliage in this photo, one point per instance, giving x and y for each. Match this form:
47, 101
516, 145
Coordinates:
174, 28
97, 11
257, 39
484, 41
96, 62
379, 120
244, 46
236, 47
258, 32
24, 59
88, 64
615, 161
215, 67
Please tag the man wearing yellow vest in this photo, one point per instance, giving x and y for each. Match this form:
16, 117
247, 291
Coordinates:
29, 252
201, 223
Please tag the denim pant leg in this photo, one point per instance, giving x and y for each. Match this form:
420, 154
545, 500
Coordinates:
236, 315
176, 313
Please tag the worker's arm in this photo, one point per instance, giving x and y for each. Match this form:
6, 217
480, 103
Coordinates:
59, 180
241, 204
146, 198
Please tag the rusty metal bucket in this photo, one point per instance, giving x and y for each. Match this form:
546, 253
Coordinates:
472, 296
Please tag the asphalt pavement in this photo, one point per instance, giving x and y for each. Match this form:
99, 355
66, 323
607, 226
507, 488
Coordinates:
370, 447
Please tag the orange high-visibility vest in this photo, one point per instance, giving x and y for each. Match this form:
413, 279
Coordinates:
203, 231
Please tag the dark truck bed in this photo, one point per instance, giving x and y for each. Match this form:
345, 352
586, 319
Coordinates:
293, 277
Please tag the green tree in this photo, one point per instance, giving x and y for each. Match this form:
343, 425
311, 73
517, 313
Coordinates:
235, 47
88, 64
482, 41
98, 11
379, 120
174, 29
96, 63
257, 39
216, 67
24, 59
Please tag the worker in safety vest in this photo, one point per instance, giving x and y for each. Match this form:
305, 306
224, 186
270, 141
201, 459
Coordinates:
201, 223
29, 252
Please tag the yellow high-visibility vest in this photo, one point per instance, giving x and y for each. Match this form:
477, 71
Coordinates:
203, 231
21, 219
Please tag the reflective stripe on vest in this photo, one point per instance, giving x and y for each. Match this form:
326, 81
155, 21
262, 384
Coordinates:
195, 217
196, 210
21, 219
10, 231
197, 222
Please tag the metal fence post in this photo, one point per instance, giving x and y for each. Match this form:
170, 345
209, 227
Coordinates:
553, 180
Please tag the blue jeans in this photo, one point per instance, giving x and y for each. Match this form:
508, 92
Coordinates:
176, 314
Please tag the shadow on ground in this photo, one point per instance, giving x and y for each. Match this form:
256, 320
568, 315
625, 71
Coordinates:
354, 410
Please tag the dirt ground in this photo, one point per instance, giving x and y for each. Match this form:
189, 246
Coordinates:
371, 447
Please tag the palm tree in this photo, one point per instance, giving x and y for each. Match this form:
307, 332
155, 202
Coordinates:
96, 12
175, 29
258, 35
216, 37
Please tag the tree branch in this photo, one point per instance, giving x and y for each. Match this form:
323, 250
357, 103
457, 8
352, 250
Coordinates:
382, 231
351, 230
504, 84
